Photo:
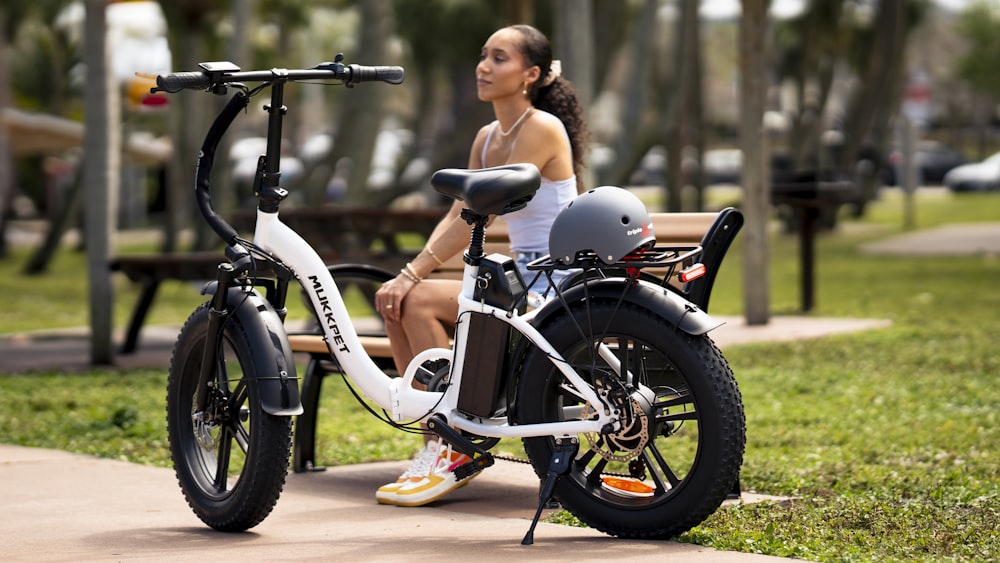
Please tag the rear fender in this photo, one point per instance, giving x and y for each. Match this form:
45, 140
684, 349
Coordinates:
679, 312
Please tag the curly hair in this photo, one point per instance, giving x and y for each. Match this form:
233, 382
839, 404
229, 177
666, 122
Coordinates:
557, 98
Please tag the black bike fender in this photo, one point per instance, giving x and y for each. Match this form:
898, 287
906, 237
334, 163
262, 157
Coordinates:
274, 364
683, 314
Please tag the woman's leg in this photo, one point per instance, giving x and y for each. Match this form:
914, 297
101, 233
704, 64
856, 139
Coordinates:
427, 309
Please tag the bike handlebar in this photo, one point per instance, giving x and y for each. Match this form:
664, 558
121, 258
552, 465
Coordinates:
350, 74
215, 77
177, 81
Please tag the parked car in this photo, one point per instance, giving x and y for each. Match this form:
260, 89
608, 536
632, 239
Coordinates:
723, 166
934, 160
975, 177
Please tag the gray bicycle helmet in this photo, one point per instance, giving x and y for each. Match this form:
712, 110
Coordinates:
609, 221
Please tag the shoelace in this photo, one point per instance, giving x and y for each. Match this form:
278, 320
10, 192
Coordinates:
423, 462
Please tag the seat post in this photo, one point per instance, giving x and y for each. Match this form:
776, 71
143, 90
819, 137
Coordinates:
477, 241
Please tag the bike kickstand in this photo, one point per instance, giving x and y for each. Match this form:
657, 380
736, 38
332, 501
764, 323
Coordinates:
562, 458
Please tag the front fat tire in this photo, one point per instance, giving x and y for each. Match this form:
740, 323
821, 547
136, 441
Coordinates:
251, 445
691, 471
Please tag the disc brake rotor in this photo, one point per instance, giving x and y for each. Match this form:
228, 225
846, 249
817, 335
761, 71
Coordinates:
203, 432
625, 444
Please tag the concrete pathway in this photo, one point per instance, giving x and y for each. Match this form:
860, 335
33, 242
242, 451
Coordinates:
57, 506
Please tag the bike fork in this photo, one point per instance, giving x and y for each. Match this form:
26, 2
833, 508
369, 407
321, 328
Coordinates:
213, 337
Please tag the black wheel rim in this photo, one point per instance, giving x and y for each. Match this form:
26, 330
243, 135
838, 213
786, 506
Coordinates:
641, 471
221, 437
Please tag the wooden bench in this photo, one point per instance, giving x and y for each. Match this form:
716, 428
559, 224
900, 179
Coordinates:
713, 231
338, 234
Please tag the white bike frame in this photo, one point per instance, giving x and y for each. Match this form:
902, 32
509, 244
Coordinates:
397, 395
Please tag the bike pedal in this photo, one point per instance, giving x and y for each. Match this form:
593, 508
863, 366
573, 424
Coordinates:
470, 468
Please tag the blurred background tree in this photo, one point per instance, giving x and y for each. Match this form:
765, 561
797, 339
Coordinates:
979, 25
660, 77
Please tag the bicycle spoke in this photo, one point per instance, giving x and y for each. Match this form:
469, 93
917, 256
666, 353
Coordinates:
241, 435
222, 460
670, 417
594, 478
655, 460
238, 398
658, 480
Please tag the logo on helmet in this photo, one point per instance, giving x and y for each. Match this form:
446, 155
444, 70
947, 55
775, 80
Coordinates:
645, 230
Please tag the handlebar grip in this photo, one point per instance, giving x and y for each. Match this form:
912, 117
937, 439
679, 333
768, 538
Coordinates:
389, 74
177, 81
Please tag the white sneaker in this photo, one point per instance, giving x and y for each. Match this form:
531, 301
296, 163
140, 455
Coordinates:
420, 468
436, 483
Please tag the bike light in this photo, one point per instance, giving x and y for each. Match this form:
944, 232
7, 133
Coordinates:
692, 272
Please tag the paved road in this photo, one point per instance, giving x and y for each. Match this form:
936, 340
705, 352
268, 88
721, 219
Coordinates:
57, 506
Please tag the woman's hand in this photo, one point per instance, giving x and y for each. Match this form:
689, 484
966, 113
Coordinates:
389, 297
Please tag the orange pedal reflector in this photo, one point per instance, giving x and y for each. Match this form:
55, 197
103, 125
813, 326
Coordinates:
628, 486
692, 272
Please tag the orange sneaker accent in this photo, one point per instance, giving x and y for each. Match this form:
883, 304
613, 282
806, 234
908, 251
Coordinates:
421, 467
439, 481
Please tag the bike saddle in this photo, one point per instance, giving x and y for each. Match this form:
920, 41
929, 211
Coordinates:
490, 191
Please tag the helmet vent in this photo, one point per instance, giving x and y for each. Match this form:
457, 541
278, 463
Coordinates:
626, 220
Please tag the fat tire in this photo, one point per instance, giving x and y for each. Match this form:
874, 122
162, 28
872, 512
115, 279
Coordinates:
251, 490
694, 364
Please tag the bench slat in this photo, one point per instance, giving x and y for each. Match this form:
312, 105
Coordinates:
375, 346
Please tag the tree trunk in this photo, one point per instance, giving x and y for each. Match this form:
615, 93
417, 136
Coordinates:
683, 113
631, 143
753, 143
186, 122
574, 47
102, 154
58, 225
363, 108
6, 162
876, 101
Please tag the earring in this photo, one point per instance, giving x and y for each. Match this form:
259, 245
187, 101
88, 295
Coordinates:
525, 89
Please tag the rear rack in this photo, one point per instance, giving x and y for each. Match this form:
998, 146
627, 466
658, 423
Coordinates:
667, 258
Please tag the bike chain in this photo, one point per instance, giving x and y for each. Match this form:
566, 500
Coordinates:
638, 469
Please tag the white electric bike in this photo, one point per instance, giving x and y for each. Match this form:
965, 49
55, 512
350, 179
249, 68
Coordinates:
628, 411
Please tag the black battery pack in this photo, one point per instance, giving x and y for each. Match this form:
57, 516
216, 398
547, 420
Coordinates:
485, 366
500, 283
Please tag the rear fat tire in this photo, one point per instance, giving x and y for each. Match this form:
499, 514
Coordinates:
249, 445
692, 470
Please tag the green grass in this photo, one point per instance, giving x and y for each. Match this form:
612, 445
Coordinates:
887, 440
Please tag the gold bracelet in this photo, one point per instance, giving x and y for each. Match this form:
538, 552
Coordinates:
434, 256
409, 270
408, 275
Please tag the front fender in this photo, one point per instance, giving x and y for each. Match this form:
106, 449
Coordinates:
271, 354
681, 313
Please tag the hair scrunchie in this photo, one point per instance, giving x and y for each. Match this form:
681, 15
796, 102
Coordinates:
555, 71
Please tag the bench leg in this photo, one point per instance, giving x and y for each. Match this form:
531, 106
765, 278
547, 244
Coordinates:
304, 445
139, 315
